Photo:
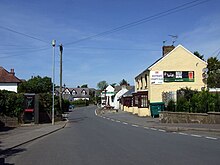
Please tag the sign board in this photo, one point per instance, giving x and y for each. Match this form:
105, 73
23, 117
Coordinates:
156, 77
178, 76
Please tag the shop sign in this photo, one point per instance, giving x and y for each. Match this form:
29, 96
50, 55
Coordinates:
178, 76
156, 77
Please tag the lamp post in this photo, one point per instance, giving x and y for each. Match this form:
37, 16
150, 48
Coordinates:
53, 78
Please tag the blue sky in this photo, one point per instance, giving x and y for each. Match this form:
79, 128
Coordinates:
120, 55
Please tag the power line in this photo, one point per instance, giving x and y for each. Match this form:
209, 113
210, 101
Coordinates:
16, 53
23, 34
108, 48
141, 21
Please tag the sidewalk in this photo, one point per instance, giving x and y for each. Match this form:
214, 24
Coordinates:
206, 129
14, 137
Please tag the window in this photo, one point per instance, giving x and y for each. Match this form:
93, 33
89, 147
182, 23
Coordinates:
74, 92
144, 102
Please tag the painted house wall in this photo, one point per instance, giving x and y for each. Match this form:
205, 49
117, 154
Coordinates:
180, 59
9, 86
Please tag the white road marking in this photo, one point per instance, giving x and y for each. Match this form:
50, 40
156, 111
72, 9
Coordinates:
196, 135
153, 129
181, 133
146, 127
161, 130
125, 123
212, 138
134, 125
95, 113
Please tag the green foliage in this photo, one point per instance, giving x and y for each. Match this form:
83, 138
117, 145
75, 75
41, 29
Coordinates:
123, 82
80, 102
36, 85
171, 106
196, 102
182, 105
199, 55
84, 86
102, 85
65, 105
213, 80
11, 103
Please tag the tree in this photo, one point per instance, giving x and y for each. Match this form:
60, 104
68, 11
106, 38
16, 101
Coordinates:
213, 80
123, 82
36, 85
199, 55
113, 84
84, 86
102, 85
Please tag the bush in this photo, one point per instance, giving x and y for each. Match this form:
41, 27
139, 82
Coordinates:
11, 103
80, 103
171, 106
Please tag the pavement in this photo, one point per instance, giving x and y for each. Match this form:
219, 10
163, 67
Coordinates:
11, 138
204, 129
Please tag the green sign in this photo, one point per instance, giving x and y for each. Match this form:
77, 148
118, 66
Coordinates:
178, 76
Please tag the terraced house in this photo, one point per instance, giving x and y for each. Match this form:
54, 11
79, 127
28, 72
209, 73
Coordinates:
177, 68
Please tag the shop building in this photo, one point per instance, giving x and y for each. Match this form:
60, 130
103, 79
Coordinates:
177, 68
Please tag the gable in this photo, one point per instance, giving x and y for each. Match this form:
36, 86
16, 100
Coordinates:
179, 58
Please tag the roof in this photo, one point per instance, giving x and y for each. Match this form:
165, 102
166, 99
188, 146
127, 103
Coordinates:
129, 93
8, 77
160, 59
118, 88
76, 92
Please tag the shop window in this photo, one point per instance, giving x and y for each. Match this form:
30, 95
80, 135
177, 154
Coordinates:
144, 102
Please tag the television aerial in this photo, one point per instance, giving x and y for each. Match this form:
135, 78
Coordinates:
174, 38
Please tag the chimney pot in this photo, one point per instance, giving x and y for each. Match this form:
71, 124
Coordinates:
12, 72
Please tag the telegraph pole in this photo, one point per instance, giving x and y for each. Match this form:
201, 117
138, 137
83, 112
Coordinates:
61, 74
53, 78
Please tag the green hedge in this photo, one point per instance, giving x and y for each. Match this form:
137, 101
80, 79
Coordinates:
195, 102
80, 103
11, 103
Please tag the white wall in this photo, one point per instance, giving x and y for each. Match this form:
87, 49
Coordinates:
8, 86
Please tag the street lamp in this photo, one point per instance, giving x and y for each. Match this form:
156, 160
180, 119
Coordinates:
53, 78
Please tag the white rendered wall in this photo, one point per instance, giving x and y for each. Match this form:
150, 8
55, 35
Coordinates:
9, 86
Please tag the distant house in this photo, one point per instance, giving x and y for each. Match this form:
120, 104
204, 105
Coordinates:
107, 96
8, 80
73, 94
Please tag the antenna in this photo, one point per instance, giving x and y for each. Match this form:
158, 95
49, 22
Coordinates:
174, 38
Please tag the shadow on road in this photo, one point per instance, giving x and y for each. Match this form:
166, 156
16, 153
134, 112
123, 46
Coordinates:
7, 153
76, 120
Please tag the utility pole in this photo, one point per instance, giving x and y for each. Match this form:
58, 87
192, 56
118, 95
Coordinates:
53, 78
61, 75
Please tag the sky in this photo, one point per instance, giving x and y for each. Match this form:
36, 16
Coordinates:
27, 29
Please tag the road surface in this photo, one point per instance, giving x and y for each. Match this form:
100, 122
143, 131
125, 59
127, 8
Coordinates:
92, 140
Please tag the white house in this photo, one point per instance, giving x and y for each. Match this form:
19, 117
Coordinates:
107, 96
8, 80
118, 96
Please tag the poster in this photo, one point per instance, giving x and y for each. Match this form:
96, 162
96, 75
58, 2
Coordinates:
156, 77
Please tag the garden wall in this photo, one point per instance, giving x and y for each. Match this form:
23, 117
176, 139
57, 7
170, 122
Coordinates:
184, 117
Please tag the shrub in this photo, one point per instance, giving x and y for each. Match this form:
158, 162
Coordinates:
171, 106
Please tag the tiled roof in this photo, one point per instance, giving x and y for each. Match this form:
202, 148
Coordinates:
8, 77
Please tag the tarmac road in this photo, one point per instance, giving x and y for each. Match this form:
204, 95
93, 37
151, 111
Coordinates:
94, 140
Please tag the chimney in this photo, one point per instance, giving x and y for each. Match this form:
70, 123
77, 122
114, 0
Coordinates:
12, 72
167, 49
